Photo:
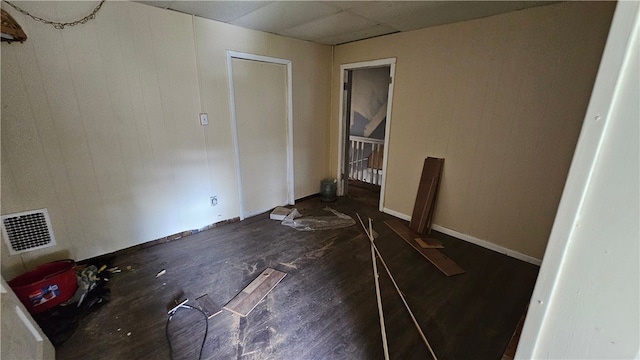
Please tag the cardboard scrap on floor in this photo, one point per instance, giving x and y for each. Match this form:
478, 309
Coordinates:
279, 213
257, 290
317, 223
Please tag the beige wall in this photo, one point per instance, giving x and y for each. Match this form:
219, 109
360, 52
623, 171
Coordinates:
100, 124
502, 99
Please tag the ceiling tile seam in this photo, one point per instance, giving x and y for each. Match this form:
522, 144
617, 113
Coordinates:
266, 3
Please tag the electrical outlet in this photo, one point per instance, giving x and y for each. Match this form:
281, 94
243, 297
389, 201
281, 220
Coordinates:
213, 200
204, 119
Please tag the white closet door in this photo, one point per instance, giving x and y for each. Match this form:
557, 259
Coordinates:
21, 338
260, 91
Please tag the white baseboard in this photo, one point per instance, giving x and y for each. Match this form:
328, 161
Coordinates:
399, 215
487, 245
474, 240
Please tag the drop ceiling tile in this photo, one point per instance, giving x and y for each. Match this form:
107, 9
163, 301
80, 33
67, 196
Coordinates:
443, 12
160, 4
281, 15
314, 21
340, 23
343, 5
440, 13
370, 32
224, 11
383, 11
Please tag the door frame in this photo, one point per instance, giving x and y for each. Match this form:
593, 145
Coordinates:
234, 122
342, 125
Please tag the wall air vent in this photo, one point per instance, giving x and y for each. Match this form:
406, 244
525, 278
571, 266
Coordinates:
27, 231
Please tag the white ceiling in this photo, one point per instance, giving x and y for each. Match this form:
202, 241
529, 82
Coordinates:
339, 22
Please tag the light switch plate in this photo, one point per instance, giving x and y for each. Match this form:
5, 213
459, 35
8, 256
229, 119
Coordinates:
204, 119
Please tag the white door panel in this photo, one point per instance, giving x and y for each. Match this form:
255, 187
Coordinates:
22, 338
260, 92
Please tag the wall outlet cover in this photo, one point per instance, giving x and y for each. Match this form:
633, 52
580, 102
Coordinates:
204, 119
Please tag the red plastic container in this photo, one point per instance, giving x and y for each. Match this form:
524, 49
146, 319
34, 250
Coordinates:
46, 286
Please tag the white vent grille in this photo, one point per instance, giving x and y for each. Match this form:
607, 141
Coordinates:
27, 231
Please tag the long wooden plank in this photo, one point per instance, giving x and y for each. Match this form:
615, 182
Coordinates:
375, 248
429, 243
426, 196
250, 296
438, 259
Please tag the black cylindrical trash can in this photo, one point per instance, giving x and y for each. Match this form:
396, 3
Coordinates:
328, 188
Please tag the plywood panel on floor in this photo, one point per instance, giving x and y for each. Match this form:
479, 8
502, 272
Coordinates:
251, 295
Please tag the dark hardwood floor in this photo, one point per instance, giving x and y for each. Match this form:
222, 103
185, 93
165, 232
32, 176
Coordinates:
325, 308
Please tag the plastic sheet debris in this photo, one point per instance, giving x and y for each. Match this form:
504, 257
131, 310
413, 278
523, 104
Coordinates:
314, 223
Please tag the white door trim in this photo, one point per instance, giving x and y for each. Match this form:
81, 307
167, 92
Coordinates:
234, 124
391, 62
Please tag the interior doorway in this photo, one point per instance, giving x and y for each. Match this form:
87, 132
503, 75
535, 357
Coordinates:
261, 118
365, 110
